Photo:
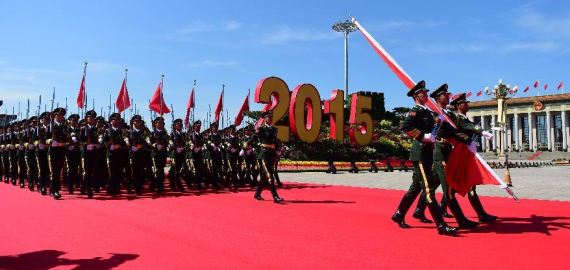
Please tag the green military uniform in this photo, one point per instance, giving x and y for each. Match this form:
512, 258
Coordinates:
419, 124
266, 137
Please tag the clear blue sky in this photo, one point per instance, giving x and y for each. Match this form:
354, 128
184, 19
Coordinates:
469, 45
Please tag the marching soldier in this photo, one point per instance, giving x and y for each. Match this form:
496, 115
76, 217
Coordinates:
418, 124
233, 149
58, 151
139, 143
42, 152
467, 130
90, 139
197, 154
118, 153
178, 167
215, 149
21, 152
441, 153
32, 162
13, 135
2, 171
159, 140
102, 171
249, 154
73, 153
266, 136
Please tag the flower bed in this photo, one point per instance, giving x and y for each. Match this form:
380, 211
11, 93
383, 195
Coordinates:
290, 165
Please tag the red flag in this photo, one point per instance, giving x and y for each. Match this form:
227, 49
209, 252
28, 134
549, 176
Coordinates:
123, 100
535, 84
480, 93
464, 170
189, 105
157, 103
526, 89
244, 108
545, 86
220, 106
560, 86
469, 94
81, 95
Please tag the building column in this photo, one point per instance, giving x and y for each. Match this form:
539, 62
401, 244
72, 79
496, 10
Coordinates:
482, 140
495, 133
515, 131
531, 130
548, 131
564, 132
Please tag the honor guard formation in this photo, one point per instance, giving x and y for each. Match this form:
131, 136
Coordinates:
95, 154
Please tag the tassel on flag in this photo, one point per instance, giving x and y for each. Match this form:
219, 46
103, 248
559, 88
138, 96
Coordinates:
189, 105
560, 86
220, 105
244, 108
123, 100
535, 84
526, 89
157, 103
480, 93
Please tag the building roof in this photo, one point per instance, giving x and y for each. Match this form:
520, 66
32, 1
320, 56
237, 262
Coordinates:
522, 100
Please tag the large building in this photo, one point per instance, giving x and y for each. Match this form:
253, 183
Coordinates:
538, 123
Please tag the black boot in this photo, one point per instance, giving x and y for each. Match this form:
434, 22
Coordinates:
443, 208
462, 221
442, 227
476, 203
398, 217
419, 213
257, 195
276, 198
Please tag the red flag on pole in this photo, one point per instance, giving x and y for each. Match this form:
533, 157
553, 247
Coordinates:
535, 84
480, 93
560, 86
244, 108
157, 103
526, 89
399, 71
189, 105
469, 94
220, 106
545, 86
81, 95
123, 100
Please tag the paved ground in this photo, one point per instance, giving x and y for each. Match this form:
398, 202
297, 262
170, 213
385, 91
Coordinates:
548, 183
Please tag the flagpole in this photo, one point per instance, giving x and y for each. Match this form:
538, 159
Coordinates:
84, 90
222, 112
124, 94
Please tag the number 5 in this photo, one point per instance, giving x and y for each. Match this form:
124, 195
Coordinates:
360, 120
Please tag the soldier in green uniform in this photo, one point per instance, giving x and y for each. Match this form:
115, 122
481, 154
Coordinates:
118, 153
215, 149
232, 151
466, 133
58, 151
21, 152
266, 137
442, 150
13, 135
139, 142
31, 160
419, 124
178, 167
42, 152
73, 154
197, 154
159, 140
90, 141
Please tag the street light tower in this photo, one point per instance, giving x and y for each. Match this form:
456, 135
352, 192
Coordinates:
346, 27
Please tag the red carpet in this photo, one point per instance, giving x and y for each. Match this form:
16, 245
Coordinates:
321, 227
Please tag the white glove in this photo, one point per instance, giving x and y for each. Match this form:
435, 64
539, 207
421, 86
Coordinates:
473, 147
100, 140
74, 139
488, 135
428, 138
241, 153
